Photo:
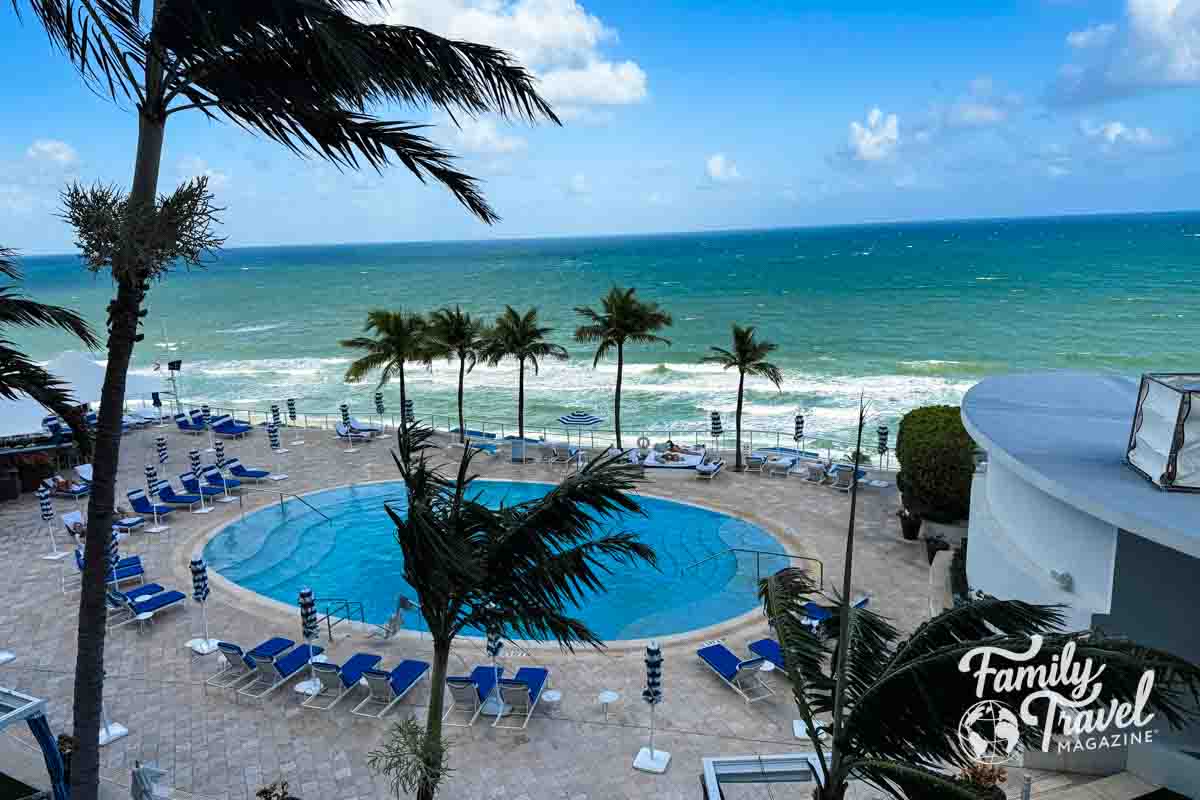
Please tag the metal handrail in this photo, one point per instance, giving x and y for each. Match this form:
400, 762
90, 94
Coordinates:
758, 561
349, 606
281, 496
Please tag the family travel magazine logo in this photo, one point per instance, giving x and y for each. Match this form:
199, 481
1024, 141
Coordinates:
1061, 698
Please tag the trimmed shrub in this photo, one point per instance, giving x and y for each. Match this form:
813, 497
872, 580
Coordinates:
936, 463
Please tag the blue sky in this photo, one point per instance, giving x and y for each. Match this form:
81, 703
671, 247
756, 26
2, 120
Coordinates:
692, 116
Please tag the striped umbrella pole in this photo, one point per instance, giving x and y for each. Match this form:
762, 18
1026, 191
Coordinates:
219, 448
649, 759
46, 508
717, 429
291, 407
151, 480
160, 446
200, 593
345, 412
882, 432
206, 418
273, 438
310, 629
112, 556
194, 461
798, 436
275, 415
408, 416
379, 407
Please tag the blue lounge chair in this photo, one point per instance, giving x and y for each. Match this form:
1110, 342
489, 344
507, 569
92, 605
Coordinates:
385, 689
238, 664
244, 473
72, 490
166, 493
470, 434
770, 650
520, 453
470, 693
193, 486
521, 693
129, 562
350, 434
741, 676
213, 477
128, 569
142, 505
188, 424
484, 447
159, 600
709, 470
270, 672
227, 426
359, 427
336, 682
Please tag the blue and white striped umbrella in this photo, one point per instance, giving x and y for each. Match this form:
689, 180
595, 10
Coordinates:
799, 434
113, 554
408, 415
379, 403
219, 453
160, 446
273, 435
44, 503
205, 415
345, 410
291, 405
580, 419
653, 693
882, 430
715, 426
151, 479
309, 626
275, 417
194, 460
199, 580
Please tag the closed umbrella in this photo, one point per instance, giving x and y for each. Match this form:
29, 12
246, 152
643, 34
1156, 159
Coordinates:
160, 446
579, 420
275, 415
200, 593
309, 628
345, 411
46, 507
648, 759
493, 704
716, 429
151, 480
882, 432
206, 419
291, 407
194, 461
379, 407
219, 457
798, 436
112, 556
273, 438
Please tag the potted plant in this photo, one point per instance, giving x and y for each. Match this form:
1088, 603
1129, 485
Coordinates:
985, 779
910, 524
937, 465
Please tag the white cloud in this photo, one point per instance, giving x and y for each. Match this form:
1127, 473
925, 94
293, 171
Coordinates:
483, 135
53, 151
1115, 136
557, 40
720, 169
578, 185
1094, 36
193, 166
878, 139
1156, 46
974, 113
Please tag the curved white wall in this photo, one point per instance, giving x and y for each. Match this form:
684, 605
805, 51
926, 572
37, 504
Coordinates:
1018, 534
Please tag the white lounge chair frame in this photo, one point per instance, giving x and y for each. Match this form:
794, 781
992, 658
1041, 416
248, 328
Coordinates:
843, 480
233, 673
517, 698
458, 692
379, 692
780, 467
333, 688
751, 687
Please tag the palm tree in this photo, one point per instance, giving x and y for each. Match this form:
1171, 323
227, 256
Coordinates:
622, 318
896, 702
519, 336
748, 357
399, 338
455, 334
305, 73
18, 374
522, 567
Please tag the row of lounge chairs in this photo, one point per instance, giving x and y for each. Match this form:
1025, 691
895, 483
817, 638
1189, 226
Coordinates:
224, 425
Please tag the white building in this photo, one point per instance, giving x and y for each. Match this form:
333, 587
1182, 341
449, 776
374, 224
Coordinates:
1059, 517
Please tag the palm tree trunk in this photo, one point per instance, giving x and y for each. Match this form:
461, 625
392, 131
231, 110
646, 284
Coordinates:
437, 699
403, 397
617, 396
462, 426
521, 399
737, 463
123, 321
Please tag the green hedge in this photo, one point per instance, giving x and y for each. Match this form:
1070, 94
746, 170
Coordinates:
936, 463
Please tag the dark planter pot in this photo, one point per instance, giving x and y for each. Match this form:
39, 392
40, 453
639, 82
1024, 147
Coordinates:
910, 526
934, 545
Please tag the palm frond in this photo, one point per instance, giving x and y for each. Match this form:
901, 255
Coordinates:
905, 781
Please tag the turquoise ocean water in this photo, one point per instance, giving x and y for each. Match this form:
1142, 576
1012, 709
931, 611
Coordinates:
908, 314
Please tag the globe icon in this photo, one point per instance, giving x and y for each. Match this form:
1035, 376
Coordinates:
989, 732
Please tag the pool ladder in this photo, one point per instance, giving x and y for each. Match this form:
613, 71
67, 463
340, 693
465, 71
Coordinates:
350, 610
758, 554
242, 505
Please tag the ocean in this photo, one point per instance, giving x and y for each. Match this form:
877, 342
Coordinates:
904, 315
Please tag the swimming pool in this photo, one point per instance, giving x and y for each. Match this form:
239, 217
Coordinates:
277, 551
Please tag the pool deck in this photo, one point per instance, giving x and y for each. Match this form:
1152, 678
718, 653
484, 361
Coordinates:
212, 747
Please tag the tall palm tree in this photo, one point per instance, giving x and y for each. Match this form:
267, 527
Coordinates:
523, 567
18, 374
748, 357
305, 73
454, 334
519, 336
399, 338
622, 318
896, 702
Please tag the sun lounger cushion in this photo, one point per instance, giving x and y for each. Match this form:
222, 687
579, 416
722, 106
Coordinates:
355, 666
724, 661
484, 678
768, 649
289, 664
158, 601
405, 674
534, 678
236, 467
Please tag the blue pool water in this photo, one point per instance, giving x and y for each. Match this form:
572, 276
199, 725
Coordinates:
278, 551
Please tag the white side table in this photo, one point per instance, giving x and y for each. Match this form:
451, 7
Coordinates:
143, 619
605, 698
766, 666
552, 700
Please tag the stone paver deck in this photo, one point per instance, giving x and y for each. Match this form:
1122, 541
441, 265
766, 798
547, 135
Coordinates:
214, 747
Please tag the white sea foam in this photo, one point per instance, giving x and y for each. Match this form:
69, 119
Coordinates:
252, 328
